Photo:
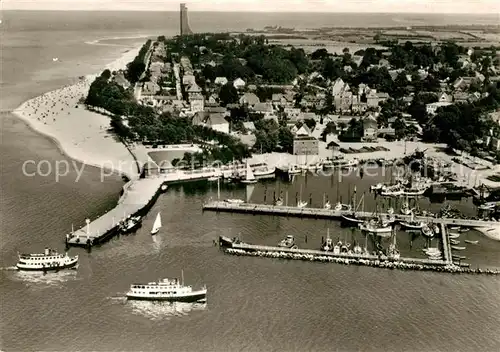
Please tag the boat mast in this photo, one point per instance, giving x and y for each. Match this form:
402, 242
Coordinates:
218, 188
182, 277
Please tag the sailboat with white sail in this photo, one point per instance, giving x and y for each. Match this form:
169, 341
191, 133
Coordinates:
249, 176
156, 225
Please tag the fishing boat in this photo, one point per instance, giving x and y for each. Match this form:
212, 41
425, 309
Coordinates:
166, 290
378, 228
156, 225
249, 176
427, 231
327, 245
453, 235
471, 242
131, 223
234, 201
457, 248
288, 242
49, 260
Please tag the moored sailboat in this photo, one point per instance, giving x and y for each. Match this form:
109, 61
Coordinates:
249, 176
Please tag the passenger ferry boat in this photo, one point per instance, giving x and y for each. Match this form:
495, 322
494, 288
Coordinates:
49, 260
166, 290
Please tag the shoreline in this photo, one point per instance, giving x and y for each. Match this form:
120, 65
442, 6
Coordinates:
78, 133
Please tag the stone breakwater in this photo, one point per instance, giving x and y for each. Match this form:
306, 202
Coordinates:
379, 263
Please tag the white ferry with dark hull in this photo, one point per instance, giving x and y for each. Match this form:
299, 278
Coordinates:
50, 260
170, 290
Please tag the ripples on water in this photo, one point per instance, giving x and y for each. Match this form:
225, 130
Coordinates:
39, 280
163, 310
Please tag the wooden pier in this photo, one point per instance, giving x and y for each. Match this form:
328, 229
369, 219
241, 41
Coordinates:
446, 244
315, 252
138, 197
320, 213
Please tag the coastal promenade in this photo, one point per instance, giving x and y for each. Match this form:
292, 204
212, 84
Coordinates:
265, 209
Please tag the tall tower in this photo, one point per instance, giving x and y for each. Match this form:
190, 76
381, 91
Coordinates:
184, 24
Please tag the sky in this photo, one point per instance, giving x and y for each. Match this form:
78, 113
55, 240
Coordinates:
401, 6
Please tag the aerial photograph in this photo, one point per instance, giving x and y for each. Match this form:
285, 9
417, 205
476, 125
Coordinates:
250, 175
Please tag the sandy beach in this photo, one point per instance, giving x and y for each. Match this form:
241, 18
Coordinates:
79, 133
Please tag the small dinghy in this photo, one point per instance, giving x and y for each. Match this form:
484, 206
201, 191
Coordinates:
471, 242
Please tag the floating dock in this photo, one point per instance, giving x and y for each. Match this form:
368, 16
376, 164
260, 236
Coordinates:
320, 213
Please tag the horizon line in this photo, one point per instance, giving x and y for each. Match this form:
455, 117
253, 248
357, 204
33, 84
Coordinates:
218, 11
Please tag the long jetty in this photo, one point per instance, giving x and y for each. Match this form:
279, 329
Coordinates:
321, 213
381, 261
138, 197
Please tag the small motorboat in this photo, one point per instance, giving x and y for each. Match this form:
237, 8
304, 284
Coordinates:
213, 179
49, 260
278, 202
376, 187
453, 235
412, 225
342, 207
457, 248
471, 242
427, 231
301, 204
463, 229
131, 223
432, 252
294, 169
452, 241
327, 205
235, 201
288, 242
